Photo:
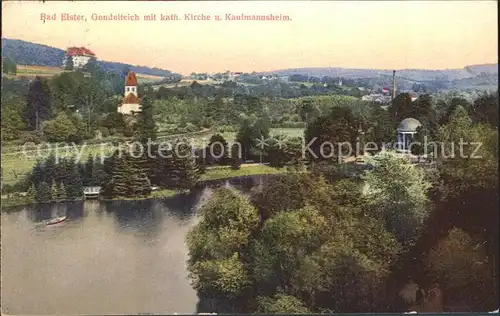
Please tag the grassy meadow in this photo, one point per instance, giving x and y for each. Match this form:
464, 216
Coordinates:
17, 165
48, 71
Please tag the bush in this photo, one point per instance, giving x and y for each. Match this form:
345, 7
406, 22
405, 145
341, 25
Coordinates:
191, 128
7, 189
128, 132
104, 131
30, 137
20, 186
460, 262
88, 135
59, 129
226, 128
207, 122
235, 163
290, 124
77, 139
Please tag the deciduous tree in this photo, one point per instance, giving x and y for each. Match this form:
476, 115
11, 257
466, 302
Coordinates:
397, 191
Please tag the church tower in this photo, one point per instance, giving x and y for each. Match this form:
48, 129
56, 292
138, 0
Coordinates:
131, 84
131, 102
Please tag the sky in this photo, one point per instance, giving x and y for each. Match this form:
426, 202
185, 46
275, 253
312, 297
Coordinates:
350, 34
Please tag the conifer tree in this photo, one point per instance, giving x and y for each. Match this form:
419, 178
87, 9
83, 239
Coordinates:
219, 148
43, 193
73, 183
49, 167
146, 127
161, 171
152, 165
235, 157
54, 189
139, 184
186, 171
89, 171
63, 195
38, 103
99, 176
37, 174
31, 194
118, 184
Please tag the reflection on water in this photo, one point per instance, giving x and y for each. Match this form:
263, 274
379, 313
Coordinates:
117, 257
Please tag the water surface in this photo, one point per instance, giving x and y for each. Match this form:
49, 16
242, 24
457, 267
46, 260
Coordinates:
119, 257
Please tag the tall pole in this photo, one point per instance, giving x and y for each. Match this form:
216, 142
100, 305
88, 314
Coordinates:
88, 124
393, 84
36, 120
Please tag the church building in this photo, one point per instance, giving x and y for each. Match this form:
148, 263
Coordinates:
131, 102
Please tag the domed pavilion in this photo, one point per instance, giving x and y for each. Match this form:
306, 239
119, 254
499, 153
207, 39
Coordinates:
405, 133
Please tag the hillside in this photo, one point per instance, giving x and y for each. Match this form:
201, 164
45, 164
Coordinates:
415, 74
473, 77
27, 53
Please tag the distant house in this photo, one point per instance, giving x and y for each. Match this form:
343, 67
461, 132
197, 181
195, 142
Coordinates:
80, 56
131, 102
232, 76
376, 97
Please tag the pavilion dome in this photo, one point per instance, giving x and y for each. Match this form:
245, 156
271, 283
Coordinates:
408, 125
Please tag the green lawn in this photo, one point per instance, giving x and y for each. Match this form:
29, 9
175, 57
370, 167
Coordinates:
17, 165
15, 201
227, 172
290, 132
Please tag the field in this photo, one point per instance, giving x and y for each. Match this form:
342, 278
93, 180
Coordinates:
184, 83
144, 78
17, 165
289, 132
227, 172
46, 71
31, 71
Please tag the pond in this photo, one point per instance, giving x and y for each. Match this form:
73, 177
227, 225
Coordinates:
120, 257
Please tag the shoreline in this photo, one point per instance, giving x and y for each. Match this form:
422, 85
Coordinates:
205, 179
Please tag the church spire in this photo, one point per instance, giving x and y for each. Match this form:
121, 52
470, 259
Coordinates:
130, 84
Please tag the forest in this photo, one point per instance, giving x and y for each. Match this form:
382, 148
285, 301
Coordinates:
332, 240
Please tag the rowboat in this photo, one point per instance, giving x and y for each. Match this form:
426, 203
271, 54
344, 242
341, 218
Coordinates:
56, 220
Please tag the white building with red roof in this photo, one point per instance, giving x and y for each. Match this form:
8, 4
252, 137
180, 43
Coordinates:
80, 56
131, 102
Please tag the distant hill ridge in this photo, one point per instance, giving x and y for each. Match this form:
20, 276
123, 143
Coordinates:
416, 74
27, 53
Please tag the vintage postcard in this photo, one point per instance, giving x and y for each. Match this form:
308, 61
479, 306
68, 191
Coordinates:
164, 157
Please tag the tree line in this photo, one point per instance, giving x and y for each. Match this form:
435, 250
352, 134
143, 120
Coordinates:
8, 66
323, 242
